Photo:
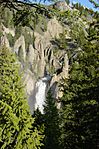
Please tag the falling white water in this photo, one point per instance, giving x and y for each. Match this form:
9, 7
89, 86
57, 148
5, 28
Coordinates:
40, 94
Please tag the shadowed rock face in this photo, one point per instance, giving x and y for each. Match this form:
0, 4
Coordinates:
38, 59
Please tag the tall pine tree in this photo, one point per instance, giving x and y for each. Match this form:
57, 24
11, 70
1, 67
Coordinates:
16, 123
80, 115
51, 123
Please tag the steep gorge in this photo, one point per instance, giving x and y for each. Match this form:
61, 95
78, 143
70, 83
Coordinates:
37, 55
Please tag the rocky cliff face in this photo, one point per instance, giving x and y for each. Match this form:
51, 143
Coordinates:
37, 58
37, 53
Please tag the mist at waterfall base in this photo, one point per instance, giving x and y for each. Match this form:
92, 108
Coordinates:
40, 97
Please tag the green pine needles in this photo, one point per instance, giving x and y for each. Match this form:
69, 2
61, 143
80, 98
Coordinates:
51, 123
16, 123
80, 111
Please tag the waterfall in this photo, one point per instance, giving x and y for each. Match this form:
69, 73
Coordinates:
40, 96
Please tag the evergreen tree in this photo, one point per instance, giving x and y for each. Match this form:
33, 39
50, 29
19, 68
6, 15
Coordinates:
51, 121
81, 97
67, 1
96, 4
39, 122
26, 12
16, 123
39, 119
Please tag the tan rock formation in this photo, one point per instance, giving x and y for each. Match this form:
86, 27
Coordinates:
29, 82
38, 57
5, 41
7, 30
20, 42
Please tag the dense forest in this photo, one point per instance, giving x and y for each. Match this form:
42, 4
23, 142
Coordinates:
75, 125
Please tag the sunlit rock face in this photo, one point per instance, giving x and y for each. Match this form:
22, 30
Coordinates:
38, 52
36, 58
62, 5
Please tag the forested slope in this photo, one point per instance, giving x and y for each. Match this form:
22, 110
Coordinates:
60, 41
